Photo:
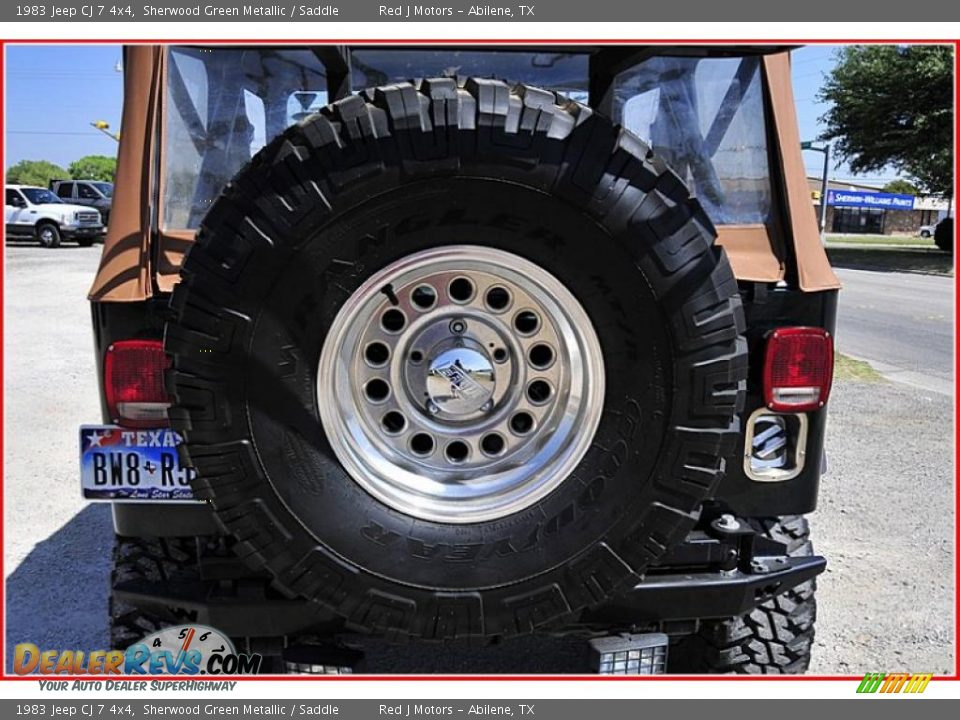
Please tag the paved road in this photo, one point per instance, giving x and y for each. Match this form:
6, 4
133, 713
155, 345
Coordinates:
885, 519
901, 323
56, 547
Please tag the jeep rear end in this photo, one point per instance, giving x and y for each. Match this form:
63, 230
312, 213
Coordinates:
489, 320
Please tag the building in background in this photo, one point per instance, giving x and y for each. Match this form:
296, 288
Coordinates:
865, 209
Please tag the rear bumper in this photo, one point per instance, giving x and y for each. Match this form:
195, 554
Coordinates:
710, 595
663, 598
711, 575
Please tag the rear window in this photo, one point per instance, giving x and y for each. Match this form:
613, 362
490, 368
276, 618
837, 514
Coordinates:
65, 190
565, 72
706, 118
221, 106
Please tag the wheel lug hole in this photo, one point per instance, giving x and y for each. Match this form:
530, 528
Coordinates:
458, 327
423, 297
493, 444
498, 298
393, 320
457, 451
500, 355
461, 290
539, 391
526, 322
416, 357
521, 423
541, 356
377, 390
393, 423
421, 444
376, 354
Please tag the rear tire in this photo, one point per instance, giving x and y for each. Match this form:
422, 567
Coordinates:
151, 560
49, 235
774, 639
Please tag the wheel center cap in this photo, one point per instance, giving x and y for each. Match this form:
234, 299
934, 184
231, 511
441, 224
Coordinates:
460, 380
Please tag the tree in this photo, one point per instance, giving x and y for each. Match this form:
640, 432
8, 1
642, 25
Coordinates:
94, 167
901, 187
893, 106
35, 172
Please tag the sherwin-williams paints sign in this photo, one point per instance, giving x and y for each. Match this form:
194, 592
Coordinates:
864, 198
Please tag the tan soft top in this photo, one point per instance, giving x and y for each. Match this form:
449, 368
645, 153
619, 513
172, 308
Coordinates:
140, 260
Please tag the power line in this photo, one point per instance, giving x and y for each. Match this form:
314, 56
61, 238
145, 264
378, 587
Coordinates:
61, 73
819, 58
38, 103
49, 132
809, 74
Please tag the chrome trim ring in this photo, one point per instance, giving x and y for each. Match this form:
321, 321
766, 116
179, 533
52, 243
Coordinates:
461, 384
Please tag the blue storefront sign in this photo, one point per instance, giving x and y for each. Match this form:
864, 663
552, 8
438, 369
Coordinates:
867, 199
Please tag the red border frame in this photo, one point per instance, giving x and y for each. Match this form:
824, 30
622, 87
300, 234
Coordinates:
473, 41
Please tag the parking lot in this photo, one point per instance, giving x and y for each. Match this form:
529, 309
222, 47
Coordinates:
885, 520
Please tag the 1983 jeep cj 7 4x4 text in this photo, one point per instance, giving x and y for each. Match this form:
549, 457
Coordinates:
539, 343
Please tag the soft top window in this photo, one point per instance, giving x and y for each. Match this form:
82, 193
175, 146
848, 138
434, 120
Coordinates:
565, 72
221, 106
706, 118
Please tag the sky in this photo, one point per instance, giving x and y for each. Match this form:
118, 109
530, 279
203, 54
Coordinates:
811, 64
55, 92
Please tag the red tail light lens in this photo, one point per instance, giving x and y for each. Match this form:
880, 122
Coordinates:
798, 369
133, 381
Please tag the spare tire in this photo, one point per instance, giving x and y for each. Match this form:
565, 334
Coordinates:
456, 359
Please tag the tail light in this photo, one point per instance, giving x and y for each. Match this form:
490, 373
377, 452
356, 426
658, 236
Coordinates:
797, 369
133, 381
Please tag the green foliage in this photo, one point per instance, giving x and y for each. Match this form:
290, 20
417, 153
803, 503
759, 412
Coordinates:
892, 105
901, 187
94, 167
35, 172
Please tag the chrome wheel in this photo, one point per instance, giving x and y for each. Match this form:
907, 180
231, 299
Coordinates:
461, 384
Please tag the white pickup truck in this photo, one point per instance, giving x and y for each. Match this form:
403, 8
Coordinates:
36, 212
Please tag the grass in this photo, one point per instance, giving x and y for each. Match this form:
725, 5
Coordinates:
897, 240
846, 368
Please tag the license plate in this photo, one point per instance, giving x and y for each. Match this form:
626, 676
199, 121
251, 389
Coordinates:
132, 465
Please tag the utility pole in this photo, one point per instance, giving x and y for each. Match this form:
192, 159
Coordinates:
824, 182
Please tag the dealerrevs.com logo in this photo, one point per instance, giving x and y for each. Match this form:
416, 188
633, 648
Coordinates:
179, 650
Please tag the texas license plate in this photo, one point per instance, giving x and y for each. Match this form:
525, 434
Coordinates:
132, 465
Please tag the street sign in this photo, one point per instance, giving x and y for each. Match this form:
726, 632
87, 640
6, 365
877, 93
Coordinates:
867, 199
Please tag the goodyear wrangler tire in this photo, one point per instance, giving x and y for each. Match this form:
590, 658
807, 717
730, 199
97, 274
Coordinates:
381, 202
